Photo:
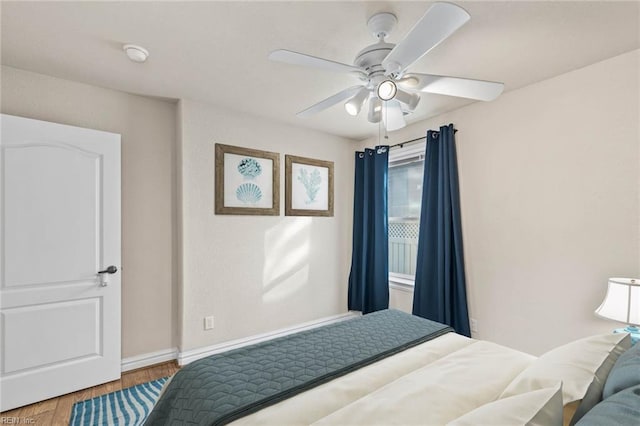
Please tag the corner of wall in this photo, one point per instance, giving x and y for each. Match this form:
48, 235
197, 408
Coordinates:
178, 287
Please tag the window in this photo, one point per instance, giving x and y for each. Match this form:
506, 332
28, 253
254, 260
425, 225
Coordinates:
405, 199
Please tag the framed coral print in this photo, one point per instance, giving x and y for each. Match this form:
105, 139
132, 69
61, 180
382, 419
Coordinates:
308, 187
247, 181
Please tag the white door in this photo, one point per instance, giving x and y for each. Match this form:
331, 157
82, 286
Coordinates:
59, 226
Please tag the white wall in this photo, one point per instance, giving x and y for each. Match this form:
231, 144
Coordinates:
148, 131
254, 274
550, 202
550, 194
257, 273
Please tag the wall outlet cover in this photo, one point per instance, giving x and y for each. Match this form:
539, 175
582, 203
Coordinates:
208, 323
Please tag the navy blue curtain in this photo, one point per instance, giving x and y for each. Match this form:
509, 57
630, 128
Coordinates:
369, 277
440, 290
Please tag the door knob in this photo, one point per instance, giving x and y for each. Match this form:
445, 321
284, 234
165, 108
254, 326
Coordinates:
103, 274
110, 270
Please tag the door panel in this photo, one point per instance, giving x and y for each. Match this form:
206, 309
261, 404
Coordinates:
60, 225
82, 337
41, 182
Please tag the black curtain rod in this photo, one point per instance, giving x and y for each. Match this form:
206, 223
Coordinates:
401, 144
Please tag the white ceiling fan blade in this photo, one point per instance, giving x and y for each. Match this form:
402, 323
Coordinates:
295, 58
330, 101
460, 87
440, 21
392, 115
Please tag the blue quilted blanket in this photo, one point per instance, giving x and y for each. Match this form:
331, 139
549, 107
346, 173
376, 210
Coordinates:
224, 387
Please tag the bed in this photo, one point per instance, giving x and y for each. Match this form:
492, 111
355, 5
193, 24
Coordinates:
391, 368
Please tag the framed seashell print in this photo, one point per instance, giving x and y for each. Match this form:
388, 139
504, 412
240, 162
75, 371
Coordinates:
308, 187
247, 181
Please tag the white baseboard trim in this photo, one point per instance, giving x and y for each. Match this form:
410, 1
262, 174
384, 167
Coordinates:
184, 358
187, 357
145, 360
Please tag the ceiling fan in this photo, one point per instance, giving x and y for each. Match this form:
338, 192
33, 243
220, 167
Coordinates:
391, 90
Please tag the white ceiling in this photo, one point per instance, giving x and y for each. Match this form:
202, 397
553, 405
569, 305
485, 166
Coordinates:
216, 52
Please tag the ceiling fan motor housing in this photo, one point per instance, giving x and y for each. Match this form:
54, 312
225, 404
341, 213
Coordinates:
370, 58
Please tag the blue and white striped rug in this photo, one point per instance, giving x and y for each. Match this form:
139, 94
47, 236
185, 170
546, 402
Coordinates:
127, 407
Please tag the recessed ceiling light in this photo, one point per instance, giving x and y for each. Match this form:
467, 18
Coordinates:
136, 53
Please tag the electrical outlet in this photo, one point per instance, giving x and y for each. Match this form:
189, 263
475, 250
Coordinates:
208, 323
474, 325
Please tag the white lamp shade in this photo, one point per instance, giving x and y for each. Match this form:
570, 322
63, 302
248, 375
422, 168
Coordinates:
409, 99
622, 302
375, 110
392, 116
354, 105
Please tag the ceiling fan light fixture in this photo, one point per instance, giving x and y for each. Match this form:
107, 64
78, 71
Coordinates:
409, 99
386, 90
375, 110
392, 116
355, 104
384, 69
409, 81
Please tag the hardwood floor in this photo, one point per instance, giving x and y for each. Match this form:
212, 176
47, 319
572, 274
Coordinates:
57, 411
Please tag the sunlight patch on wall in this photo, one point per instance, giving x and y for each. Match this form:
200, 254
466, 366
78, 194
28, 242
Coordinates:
286, 267
287, 285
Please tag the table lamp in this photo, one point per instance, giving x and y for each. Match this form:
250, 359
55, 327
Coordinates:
622, 304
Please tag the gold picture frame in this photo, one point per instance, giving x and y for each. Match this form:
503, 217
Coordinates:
308, 187
247, 181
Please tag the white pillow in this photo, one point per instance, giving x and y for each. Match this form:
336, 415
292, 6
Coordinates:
576, 365
536, 408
